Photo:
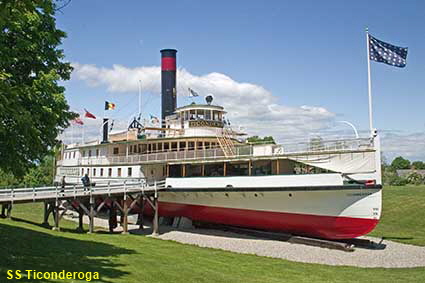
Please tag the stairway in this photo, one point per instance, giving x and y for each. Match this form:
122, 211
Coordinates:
224, 137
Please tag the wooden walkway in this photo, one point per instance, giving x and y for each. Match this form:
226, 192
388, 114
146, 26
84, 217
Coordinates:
122, 197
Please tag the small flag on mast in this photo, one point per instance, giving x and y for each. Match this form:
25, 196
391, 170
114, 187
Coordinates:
389, 54
154, 119
109, 105
89, 115
78, 120
192, 93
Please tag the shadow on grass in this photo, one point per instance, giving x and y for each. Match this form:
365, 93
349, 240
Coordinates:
25, 249
49, 227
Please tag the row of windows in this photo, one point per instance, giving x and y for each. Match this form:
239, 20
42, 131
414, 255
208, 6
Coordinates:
200, 114
69, 155
99, 172
151, 147
168, 146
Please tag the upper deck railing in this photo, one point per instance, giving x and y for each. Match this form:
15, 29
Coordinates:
244, 151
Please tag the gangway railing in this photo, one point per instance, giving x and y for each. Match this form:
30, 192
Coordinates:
74, 191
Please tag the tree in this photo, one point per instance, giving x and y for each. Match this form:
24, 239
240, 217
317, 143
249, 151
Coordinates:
41, 174
33, 109
400, 163
257, 139
418, 165
7, 179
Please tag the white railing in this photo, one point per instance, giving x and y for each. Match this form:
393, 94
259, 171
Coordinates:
57, 192
252, 150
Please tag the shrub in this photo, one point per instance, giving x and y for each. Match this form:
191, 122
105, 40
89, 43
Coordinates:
415, 178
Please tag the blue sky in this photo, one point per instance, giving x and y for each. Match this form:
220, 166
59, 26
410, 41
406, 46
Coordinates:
291, 53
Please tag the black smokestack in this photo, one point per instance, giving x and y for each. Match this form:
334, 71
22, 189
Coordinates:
168, 83
105, 130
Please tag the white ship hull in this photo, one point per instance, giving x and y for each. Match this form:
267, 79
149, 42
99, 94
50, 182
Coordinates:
326, 210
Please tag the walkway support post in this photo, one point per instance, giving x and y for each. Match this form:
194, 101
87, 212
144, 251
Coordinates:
141, 209
80, 227
6, 210
46, 214
155, 231
91, 216
125, 212
56, 216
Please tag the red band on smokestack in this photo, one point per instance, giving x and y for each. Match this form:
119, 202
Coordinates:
168, 64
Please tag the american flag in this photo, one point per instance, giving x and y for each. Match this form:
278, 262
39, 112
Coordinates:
383, 52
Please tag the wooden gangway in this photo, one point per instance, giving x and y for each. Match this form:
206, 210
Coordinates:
33, 194
88, 200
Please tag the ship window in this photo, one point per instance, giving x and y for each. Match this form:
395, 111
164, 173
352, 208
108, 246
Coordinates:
200, 114
131, 149
82, 171
84, 153
182, 145
263, 167
110, 172
144, 148
237, 169
116, 150
160, 146
154, 147
73, 155
214, 169
173, 146
192, 115
207, 145
129, 171
175, 170
119, 172
215, 115
193, 170
207, 115
97, 152
166, 146
89, 153
101, 172
186, 115
88, 171
199, 145
191, 145
94, 172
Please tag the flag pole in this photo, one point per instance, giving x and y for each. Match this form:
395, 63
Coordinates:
140, 97
82, 136
369, 83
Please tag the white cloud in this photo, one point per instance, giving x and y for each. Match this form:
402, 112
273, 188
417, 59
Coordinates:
410, 146
248, 105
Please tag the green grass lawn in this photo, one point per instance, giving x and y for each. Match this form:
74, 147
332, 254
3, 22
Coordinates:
403, 215
132, 258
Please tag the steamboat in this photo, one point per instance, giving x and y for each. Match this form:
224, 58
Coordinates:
329, 189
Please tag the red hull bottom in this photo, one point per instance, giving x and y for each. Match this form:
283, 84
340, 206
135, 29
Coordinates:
327, 227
